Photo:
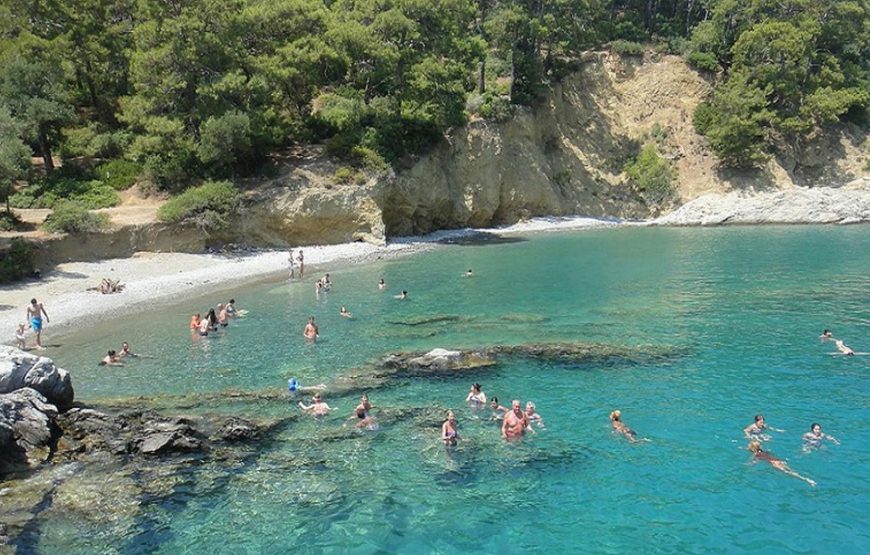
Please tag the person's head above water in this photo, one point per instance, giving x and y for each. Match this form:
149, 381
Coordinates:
614, 416
494, 402
759, 419
475, 387
816, 428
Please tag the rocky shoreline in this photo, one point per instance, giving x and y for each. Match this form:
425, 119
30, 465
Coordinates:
795, 205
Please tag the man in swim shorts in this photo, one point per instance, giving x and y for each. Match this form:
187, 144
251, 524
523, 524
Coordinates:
514, 423
35, 312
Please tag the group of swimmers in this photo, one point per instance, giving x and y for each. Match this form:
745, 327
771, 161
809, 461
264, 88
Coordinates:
115, 358
216, 317
515, 422
756, 433
362, 413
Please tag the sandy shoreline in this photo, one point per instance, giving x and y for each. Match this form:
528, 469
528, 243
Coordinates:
154, 279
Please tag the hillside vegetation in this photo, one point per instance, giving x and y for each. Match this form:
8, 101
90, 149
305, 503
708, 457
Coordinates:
179, 92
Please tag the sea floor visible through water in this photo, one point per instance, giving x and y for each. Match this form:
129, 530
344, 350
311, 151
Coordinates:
718, 325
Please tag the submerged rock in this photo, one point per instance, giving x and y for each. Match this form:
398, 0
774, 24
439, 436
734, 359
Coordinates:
438, 359
19, 369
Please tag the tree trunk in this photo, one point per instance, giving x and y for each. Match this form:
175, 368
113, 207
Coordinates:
481, 77
45, 150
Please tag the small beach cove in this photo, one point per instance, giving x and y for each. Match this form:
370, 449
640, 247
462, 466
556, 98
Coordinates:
690, 332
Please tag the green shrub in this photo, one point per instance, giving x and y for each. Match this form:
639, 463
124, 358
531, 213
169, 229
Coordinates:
73, 217
496, 107
627, 48
704, 61
368, 158
16, 261
344, 174
66, 183
704, 118
9, 221
209, 206
651, 175
119, 174
97, 195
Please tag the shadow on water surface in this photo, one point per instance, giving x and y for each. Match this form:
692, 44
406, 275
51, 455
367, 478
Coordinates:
481, 238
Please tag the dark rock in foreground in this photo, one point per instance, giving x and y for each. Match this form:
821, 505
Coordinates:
19, 369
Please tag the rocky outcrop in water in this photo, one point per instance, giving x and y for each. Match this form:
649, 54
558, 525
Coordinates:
19, 369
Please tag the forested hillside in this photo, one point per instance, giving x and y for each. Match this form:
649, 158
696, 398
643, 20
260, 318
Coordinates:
176, 92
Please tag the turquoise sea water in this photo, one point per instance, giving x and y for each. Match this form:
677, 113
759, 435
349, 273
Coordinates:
738, 309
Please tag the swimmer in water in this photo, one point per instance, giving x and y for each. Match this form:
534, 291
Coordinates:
469, 273
514, 424
843, 348
813, 438
759, 454
757, 429
363, 413
311, 332
111, 359
402, 296
381, 284
125, 351
532, 415
619, 426
344, 313
498, 411
318, 407
449, 431
826, 334
476, 398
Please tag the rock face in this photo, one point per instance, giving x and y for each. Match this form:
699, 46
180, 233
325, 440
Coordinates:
26, 429
19, 369
821, 205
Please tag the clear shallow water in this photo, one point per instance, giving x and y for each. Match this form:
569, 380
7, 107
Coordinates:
741, 307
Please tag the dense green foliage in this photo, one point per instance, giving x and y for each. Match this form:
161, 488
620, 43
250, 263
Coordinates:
16, 261
651, 175
66, 184
205, 89
73, 217
209, 206
790, 67
119, 174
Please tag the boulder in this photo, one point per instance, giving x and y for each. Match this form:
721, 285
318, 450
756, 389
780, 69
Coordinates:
26, 429
19, 369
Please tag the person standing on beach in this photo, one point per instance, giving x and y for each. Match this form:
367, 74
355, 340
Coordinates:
301, 261
35, 312
311, 332
290, 264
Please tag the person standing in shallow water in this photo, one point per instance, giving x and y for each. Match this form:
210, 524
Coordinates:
301, 260
311, 331
449, 431
515, 423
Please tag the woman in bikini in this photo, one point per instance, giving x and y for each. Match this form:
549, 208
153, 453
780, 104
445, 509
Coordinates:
759, 454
